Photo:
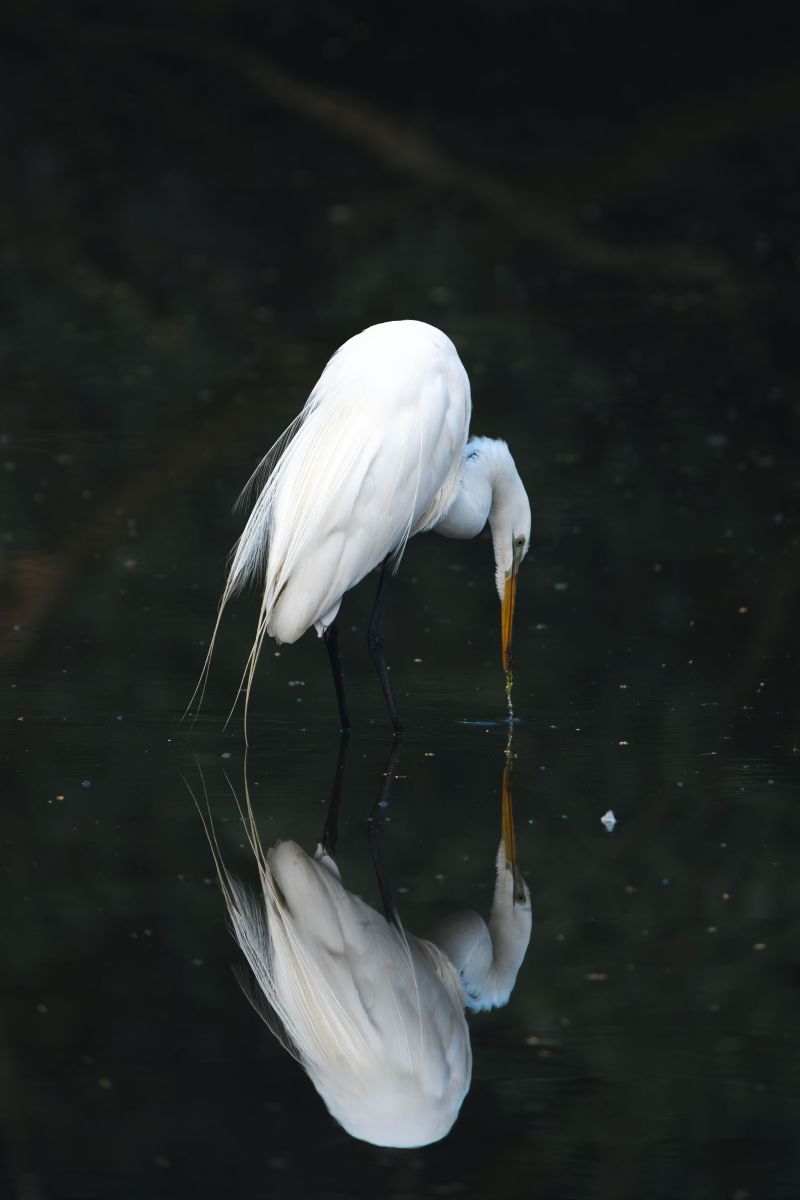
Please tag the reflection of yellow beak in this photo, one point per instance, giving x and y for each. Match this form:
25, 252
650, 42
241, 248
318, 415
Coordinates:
509, 835
509, 599
507, 823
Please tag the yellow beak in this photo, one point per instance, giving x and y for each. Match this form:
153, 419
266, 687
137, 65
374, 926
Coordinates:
507, 620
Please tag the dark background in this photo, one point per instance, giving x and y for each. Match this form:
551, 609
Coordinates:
598, 203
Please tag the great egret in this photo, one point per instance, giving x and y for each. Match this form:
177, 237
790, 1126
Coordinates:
378, 454
374, 1015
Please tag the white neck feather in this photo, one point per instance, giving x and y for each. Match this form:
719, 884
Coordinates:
484, 470
491, 490
488, 958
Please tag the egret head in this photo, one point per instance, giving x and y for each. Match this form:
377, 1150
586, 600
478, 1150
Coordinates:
510, 523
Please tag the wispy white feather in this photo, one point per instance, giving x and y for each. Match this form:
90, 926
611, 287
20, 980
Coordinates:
350, 996
375, 456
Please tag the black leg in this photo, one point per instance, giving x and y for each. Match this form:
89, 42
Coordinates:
331, 640
330, 830
375, 644
374, 835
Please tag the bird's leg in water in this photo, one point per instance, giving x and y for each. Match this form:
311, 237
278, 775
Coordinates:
374, 835
330, 830
331, 639
375, 645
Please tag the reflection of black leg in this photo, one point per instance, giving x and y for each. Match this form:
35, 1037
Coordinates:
331, 640
375, 831
375, 644
330, 830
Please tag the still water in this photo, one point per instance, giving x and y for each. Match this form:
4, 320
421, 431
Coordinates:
179, 268
645, 1048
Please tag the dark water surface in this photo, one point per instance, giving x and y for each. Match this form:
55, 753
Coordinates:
178, 269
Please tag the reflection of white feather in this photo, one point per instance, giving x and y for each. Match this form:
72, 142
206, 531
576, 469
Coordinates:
373, 1015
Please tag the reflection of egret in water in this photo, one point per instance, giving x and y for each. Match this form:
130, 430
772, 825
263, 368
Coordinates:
488, 957
373, 1014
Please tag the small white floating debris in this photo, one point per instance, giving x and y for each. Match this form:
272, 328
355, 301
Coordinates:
609, 820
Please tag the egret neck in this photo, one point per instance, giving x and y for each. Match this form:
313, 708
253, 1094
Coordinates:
491, 490
488, 957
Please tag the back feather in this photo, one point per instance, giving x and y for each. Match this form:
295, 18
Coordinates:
401, 379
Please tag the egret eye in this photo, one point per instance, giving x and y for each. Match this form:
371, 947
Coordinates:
520, 542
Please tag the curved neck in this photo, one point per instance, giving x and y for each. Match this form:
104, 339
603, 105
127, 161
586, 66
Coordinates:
488, 958
469, 512
491, 490
510, 924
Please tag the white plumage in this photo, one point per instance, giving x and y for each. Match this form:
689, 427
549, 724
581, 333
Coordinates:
376, 455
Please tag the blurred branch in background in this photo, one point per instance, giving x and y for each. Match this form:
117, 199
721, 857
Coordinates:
401, 148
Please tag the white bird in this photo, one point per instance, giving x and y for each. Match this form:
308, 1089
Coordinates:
374, 1015
378, 454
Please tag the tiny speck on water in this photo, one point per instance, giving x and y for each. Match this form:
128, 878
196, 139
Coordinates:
225, 754
491, 722
104, 1083
119, 717
86, 783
